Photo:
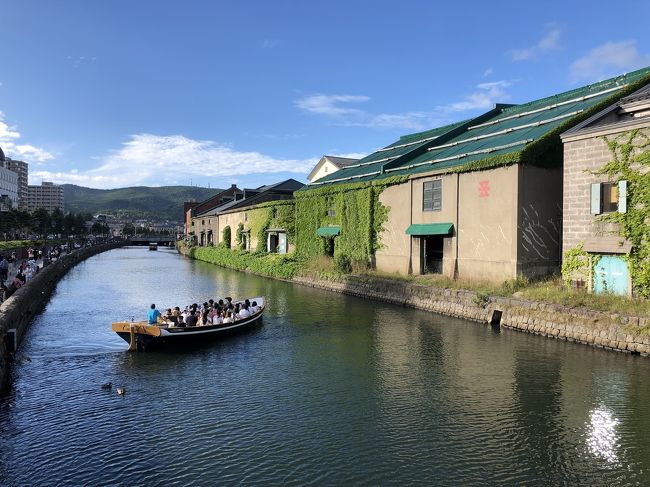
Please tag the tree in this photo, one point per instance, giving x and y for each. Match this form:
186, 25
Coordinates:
129, 229
41, 222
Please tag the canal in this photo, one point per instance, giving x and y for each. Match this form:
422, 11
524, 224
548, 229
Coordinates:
330, 390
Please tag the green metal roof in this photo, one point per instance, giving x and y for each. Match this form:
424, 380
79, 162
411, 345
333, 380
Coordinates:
328, 231
504, 130
421, 229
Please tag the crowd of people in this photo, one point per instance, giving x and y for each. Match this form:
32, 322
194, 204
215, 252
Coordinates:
210, 313
20, 272
16, 271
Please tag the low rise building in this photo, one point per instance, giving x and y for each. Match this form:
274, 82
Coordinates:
479, 199
262, 220
192, 209
328, 165
606, 222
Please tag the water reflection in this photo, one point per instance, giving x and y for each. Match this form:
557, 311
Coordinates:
602, 436
330, 390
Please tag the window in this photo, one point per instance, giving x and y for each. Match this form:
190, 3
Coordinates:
274, 213
329, 204
432, 195
608, 197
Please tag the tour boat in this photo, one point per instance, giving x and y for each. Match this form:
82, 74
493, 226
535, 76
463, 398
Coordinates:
153, 246
142, 336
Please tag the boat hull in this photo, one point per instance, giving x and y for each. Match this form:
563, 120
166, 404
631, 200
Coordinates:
143, 337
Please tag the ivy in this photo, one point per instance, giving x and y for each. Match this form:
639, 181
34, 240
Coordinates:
226, 237
631, 163
575, 263
284, 266
358, 212
272, 214
238, 233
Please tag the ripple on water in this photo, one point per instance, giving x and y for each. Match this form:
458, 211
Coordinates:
331, 390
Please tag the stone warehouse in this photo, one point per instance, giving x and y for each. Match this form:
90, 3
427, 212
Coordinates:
259, 219
606, 227
479, 199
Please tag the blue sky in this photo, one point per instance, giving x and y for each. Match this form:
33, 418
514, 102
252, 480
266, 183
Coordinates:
120, 93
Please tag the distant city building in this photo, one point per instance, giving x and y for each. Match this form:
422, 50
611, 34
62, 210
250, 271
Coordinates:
8, 185
47, 195
22, 170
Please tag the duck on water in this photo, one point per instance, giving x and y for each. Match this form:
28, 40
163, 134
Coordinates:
194, 325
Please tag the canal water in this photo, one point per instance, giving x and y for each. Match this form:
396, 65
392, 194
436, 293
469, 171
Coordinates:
330, 390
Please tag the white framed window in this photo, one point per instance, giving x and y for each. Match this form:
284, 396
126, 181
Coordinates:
608, 197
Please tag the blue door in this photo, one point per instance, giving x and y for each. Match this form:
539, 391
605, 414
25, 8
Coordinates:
611, 275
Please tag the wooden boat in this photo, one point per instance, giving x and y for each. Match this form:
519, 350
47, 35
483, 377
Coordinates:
141, 336
153, 246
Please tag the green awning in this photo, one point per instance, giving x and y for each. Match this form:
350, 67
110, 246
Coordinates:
421, 229
328, 231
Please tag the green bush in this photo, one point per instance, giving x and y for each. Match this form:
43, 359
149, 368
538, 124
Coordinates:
284, 266
342, 263
226, 237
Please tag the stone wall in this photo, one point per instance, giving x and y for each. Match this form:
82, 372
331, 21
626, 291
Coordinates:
611, 331
17, 312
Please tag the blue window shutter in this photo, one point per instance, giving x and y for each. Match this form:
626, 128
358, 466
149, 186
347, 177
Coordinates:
622, 196
595, 198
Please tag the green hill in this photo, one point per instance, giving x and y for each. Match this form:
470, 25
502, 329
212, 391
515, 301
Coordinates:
162, 203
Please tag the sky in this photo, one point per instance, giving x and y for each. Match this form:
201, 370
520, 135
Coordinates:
109, 94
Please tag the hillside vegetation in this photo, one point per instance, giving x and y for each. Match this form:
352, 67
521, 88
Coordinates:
161, 203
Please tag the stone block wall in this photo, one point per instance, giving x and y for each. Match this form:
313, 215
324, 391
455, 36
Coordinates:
612, 331
17, 312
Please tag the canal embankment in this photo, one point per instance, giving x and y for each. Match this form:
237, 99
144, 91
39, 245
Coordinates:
608, 330
17, 312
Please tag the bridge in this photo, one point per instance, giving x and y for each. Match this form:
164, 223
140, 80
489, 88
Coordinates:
169, 240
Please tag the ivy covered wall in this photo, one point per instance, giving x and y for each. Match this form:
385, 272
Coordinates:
357, 210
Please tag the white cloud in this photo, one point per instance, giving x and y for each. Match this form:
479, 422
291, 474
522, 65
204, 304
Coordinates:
549, 42
608, 59
154, 159
332, 106
488, 72
487, 95
269, 43
9, 142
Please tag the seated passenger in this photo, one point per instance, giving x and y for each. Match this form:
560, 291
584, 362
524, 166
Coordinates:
244, 312
153, 314
191, 320
181, 323
254, 308
217, 319
229, 317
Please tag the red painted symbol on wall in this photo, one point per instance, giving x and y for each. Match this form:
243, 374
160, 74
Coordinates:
484, 189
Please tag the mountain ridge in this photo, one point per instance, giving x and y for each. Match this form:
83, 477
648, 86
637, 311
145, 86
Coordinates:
134, 202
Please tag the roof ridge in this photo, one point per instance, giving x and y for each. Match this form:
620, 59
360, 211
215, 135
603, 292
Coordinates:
580, 89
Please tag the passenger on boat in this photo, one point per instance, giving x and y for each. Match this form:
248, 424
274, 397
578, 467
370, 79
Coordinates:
191, 320
217, 319
254, 308
204, 321
243, 312
153, 315
229, 317
181, 323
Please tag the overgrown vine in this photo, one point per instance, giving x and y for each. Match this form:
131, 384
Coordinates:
631, 163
